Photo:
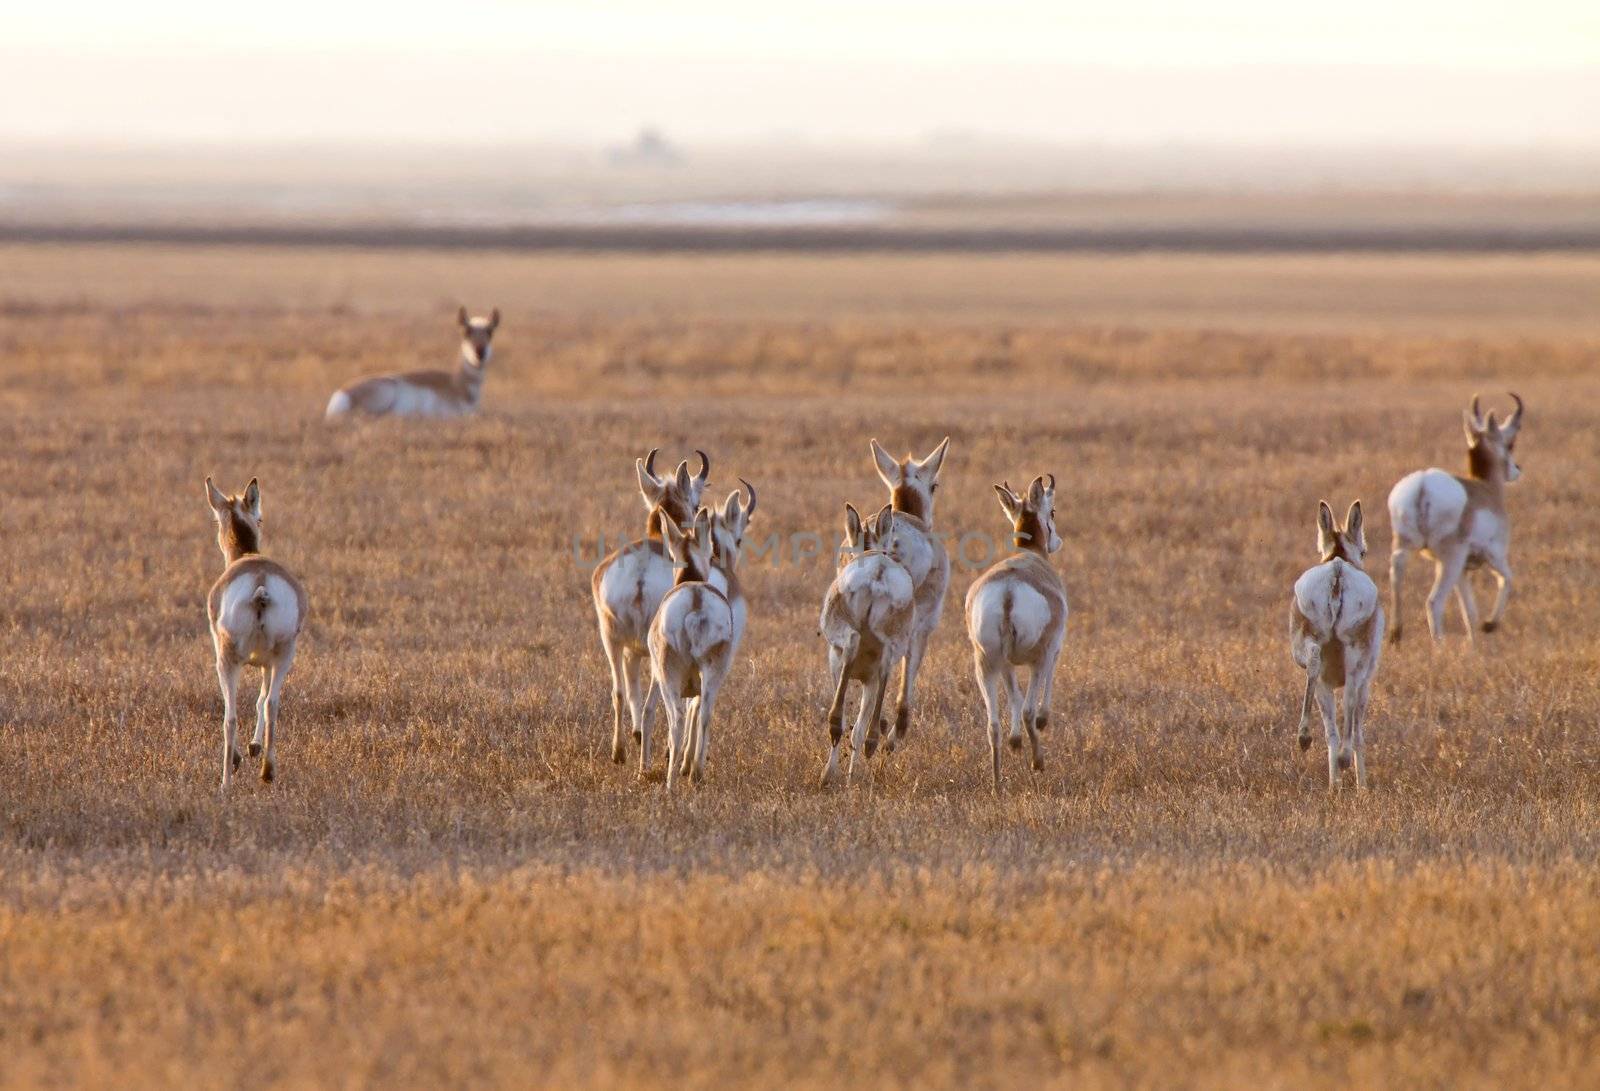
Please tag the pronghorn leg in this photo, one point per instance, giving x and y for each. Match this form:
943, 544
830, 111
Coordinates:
704, 705
619, 697
990, 681
1337, 760
841, 682
277, 674
675, 739
228, 672
1313, 674
908, 682
871, 707
1468, 603
1032, 711
1355, 715
261, 714
1397, 571
691, 732
1014, 707
1502, 577
1446, 575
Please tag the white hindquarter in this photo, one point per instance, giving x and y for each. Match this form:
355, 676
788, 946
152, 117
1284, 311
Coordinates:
258, 613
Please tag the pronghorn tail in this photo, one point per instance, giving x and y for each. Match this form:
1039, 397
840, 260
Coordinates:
262, 599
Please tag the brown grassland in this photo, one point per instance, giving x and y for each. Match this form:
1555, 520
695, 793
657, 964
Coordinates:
450, 882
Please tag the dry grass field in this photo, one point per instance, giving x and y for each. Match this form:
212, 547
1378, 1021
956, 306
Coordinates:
450, 883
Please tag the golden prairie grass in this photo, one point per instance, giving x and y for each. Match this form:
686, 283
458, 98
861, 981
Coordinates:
451, 883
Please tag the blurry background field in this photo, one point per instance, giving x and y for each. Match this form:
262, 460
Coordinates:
452, 883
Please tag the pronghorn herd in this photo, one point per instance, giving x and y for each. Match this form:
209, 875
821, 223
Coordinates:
672, 614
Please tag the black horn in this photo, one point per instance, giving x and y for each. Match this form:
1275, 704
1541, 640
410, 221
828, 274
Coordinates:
705, 467
650, 463
750, 493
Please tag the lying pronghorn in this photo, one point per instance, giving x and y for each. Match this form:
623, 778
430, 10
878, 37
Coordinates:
691, 648
1336, 634
1017, 617
627, 587
1460, 522
912, 483
728, 524
425, 393
867, 619
257, 609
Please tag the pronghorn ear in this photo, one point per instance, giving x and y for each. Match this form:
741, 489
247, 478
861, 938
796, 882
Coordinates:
1008, 500
1036, 492
674, 540
494, 319
461, 318
215, 497
1327, 529
884, 521
888, 468
852, 524
1352, 526
648, 485
930, 465
252, 497
682, 476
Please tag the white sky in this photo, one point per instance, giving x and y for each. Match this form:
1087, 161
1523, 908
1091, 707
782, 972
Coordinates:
1122, 70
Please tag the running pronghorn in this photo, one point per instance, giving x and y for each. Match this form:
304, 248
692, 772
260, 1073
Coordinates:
257, 609
425, 393
1017, 617
628, 586
1460, 522
1336, 634
728, 524
691, 647
912, 483
867, 620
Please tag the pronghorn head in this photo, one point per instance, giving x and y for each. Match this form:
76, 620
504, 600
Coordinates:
674, 498
1348, 543
911, 481
1490, 443
868, 535
476, 333
729, 523
238, 519
691, 551
1033, 517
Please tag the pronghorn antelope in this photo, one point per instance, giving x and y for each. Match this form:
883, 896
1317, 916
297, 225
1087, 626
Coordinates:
257, 609
1336, 634
1017, 617
1460, 522
912, 483
728, 524
425, 393
691, 648
628, 586
867, 619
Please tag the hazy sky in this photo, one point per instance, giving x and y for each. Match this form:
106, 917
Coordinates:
1135, 71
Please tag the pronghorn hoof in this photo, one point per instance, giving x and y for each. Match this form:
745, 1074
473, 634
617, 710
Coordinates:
638, 736
255, 750
872, 746
1344, 761
1305, 743
902, 722
266, 773
1038, 765
1015, 742
618, 755
1394, 635
1490, 626
1041, 721
236, 760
